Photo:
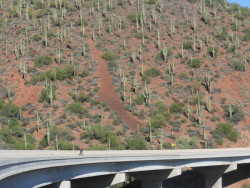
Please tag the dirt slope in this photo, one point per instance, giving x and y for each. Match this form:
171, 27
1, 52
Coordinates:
107, 89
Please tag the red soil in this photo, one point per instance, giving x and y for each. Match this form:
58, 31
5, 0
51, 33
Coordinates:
24, 93
107, 89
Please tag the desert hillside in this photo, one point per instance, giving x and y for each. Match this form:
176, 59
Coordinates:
124, 74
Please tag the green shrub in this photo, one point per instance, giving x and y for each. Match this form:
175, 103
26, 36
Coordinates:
80, 97
211, 49
42, 60
192, 1
195, 63
61, 133
140, 35
13, 14
139, 99
132, 17
13, 137
158, 120
206, 20
8, 110
242, 13
77, 108
160, 116
44, 95
121, 3
64, 135
65, 145
66, 72
183, 76
42, 12
136, 142
57, 74
36, 37
188, 45
235, 26
103, 135
151, 2
238, 65
186, 142
246, 37
195, 99
97, 147
176, 108
222, 33
110, 56
151, 73
50, 35
219, 141
237, 114
38, 5
41, 77
84, 73
116, 121
226, 130
176, 125
78, 22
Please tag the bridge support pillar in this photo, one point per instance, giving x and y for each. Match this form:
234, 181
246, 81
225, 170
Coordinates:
213, 174
154, 178
65, 184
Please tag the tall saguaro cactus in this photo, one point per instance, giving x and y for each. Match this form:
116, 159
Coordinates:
147, 94
150, 131
48, 134
188, 110
208, 103
37, 121
25, 141
208, 82
199, 112
124, 80
231, 109
135, 83
158, 39
51, 94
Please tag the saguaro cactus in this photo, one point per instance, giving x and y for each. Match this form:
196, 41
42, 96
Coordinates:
158, 39
124, 80
58, 55
150, 131
231, 109
48, 134
165, 51
188, 110
25, 141
51, 94
204, 133
135, 83
208, 103
199, 112
208, 82
37, 121
57, 144
161, 139
172, 28
147, 94
133, 56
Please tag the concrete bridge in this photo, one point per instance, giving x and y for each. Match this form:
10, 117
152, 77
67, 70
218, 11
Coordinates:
98, 169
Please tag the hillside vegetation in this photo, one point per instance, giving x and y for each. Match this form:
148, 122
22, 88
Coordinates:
124, 74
